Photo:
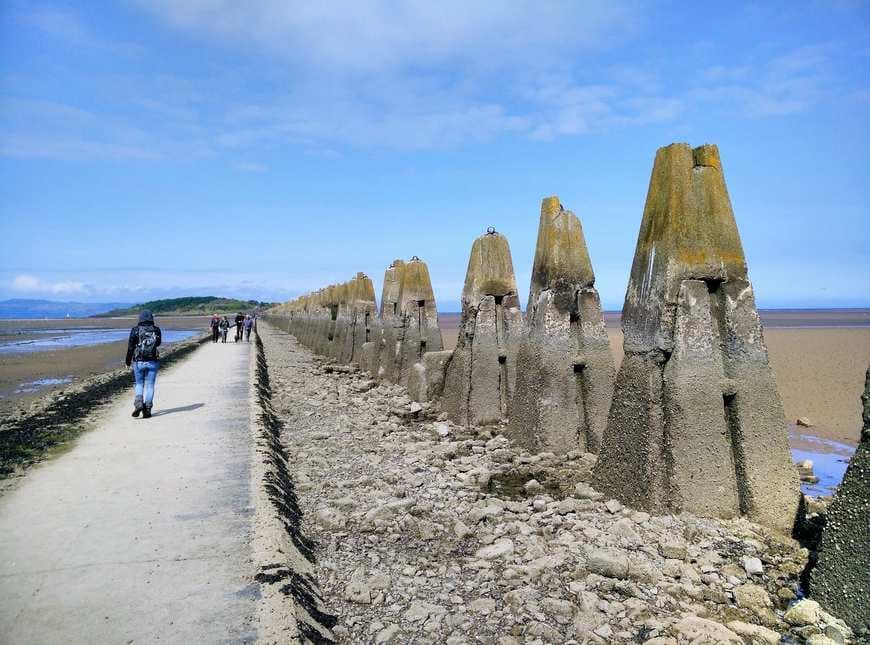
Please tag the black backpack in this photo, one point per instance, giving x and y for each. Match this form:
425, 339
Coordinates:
146, 348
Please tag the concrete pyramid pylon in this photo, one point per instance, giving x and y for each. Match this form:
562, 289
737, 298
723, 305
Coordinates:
363, 312
481, 373
391, 323
564, 388
419, 314
696, 423
841, 577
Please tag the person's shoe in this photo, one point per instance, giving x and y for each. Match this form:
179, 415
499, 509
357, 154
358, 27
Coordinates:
137, 406
146, 412
137, 412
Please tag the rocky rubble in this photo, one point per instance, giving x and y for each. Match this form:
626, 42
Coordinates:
432, 533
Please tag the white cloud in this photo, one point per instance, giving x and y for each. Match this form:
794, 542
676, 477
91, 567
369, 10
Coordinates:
406, 75
786, 84
380, 34
25, 283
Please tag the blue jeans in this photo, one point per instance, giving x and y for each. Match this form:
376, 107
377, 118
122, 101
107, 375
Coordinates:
145, 373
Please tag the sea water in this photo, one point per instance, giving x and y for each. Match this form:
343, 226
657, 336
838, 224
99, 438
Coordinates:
39, 340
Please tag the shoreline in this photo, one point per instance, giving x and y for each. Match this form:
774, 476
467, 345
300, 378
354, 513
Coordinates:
61, 368
28, 433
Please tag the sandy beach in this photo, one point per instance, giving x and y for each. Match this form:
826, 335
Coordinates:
818, 356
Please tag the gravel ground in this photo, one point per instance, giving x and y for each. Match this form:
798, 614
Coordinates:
430, 533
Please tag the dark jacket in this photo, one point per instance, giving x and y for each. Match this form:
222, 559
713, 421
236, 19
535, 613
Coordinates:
240, 319
145, 320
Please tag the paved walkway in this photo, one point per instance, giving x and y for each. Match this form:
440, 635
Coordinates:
139, 533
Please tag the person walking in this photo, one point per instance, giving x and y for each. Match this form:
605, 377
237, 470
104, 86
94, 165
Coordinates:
224, 327
142, 353
249, 325
240, 321
215, 325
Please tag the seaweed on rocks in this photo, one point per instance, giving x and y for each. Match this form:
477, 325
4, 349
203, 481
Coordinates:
26, 437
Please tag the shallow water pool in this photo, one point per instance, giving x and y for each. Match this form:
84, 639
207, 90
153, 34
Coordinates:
830, 460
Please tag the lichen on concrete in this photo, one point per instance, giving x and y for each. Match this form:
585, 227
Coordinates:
696, 422
390, 320
564, 388
481, 374
419, 318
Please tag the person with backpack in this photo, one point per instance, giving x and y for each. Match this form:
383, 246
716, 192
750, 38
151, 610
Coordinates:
240, 320
142, 346
215, 327
224, 327
249, 325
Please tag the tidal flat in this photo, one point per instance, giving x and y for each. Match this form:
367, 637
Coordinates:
42, 356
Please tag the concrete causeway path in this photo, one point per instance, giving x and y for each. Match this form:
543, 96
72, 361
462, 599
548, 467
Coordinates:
139, 533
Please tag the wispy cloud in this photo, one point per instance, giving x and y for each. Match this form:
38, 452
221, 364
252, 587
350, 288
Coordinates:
381, 34
402, 76
29, 284
138, 285
785, 84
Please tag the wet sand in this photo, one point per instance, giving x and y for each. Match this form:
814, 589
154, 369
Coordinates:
819, 359
63, 366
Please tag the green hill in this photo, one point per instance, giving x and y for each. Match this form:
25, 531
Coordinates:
194, 305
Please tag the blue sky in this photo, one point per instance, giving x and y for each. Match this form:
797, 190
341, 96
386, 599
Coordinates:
265, 148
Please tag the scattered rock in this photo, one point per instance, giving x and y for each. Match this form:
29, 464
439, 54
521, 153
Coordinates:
497, 549
820, 639
752, 566
604, 631
442, 429
751, 596
482, 605
702, 630
420, 611
610, 563
533, 487
358, 592
755, 633
387, 635
804, 421
461, 530
804, 612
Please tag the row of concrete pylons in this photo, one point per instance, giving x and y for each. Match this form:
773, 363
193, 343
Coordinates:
692, 422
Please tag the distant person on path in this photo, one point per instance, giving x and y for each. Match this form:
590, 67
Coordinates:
249, 325
224, 327
240, 320
142, 346
215, 325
